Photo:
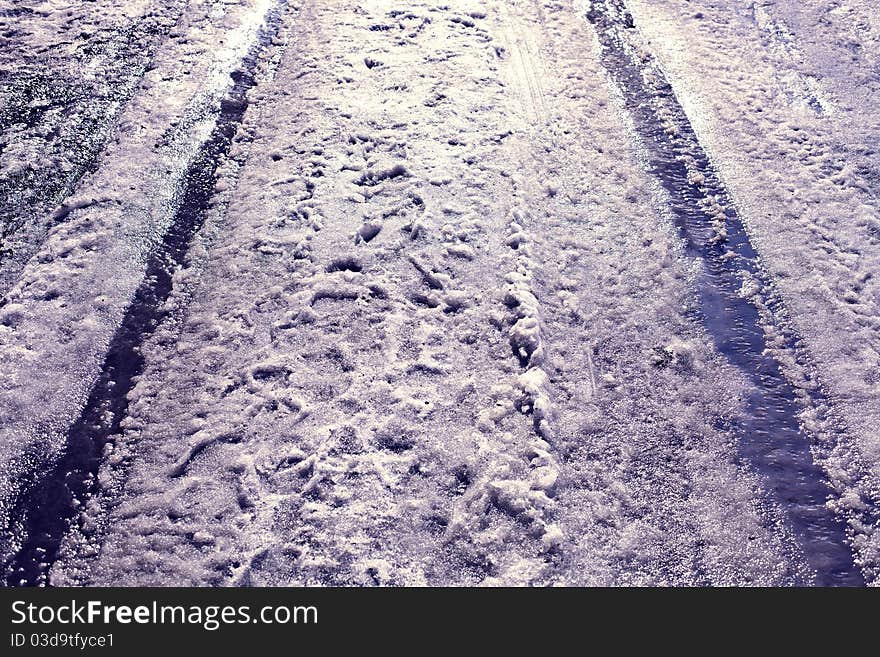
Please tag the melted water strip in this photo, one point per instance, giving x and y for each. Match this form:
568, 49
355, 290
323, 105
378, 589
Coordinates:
46, 512
770, 438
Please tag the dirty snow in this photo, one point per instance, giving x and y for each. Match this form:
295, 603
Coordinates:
437, 326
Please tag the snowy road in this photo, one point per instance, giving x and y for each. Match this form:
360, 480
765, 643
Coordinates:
497, 293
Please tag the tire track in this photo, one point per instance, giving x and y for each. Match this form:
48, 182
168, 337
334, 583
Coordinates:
60, 317
43, 514
792, 439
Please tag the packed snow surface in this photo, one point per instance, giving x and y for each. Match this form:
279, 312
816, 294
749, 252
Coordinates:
456, 293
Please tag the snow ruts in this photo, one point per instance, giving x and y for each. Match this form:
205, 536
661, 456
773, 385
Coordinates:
435, 337
805, 183
338, 350
794, 441
81, 306
340, 403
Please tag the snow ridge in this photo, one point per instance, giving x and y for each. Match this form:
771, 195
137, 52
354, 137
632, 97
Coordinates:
527, 342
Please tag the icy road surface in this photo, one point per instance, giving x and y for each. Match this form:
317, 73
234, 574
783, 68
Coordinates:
455, 293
